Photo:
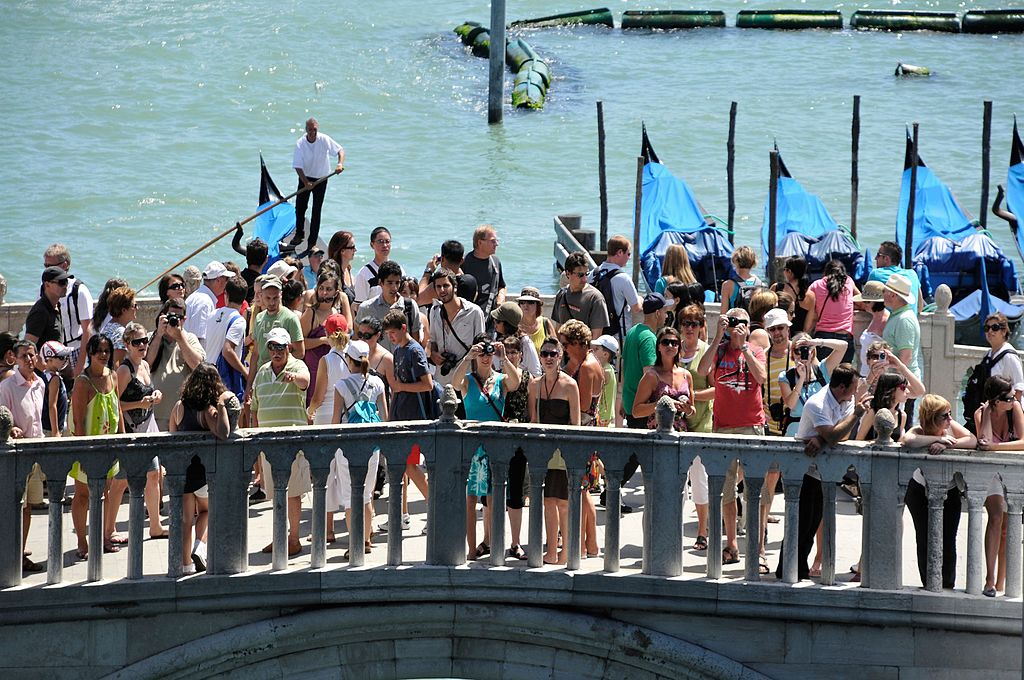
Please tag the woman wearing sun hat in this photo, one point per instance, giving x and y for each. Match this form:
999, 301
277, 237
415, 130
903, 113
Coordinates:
533, 325
870, 300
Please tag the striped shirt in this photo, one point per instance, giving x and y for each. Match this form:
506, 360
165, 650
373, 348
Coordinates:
277, 403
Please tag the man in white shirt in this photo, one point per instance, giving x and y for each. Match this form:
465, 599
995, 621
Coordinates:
200, 305
226, 330
75, 310
367, 281
828, 417
625, 300
311, 163
454, 321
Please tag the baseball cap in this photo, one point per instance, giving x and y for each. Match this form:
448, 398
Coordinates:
279, 336
358, 350
55, 274
508, 312
335, 323
54, 349
271, 281
215, 270
776, 317
656, 301
281, 270
607, 342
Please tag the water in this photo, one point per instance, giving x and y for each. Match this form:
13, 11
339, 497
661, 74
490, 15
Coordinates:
134, 129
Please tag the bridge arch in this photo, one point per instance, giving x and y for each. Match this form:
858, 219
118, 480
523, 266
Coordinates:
422, 640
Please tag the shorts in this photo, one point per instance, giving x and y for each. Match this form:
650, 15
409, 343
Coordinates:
996, 488
299, 481
78, 474
415, 457
556, 485
34, 486
698, 477
195, 478
734, 471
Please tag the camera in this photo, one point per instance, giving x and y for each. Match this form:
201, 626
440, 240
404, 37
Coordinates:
882, 356
488, 348
449, 363
173, 319
805, 352
735, 321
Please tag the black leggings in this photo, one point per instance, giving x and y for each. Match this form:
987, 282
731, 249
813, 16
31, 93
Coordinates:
812, 508
917, 504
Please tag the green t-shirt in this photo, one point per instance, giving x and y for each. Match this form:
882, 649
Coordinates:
285, 318
639, 350
606, 405
902, 331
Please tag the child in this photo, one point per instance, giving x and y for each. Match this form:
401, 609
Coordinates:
54, 357
606, 349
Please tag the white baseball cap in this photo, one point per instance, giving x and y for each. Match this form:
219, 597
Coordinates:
358, 350
776, 317
215, 270
279, 336
608, 342
281, 270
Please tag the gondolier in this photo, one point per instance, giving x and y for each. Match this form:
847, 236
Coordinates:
311, 162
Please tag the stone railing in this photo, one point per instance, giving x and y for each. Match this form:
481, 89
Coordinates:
448, 446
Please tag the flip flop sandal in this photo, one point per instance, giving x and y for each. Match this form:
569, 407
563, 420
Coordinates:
482, 550
730, 556
111, 548
118, 539
81, 555
516, 552
701, 544
762, 567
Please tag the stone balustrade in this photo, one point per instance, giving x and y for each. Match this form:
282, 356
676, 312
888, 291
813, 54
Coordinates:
448, 448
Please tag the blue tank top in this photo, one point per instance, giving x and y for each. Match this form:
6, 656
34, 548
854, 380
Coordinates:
477, 406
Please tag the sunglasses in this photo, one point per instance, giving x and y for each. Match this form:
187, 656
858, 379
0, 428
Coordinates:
1006, 398
352, 247
274, 347
139, 342
994, 327
548, 353
691, 324
383, 242
176, 286
669, 343
776, 329
363, 335
581, 274
948, 415
903, 386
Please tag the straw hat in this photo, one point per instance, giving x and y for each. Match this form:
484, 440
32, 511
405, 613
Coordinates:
900, 286
872, 292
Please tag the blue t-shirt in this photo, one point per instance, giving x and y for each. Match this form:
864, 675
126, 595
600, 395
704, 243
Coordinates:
410, 366
477, 406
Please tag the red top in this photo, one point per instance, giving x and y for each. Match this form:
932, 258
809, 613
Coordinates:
737, 392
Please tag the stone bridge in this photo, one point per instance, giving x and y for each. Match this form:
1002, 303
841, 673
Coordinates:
652, 608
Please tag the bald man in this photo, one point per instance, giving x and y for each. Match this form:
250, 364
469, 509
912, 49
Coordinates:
312, 157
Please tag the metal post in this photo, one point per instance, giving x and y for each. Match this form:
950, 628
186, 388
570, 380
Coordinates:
602, 178
730, 167
908, 250
854, 153
496, 77
773, 188
986, 150
636, 217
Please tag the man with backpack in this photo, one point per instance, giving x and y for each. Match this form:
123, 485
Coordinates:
620, 295
579, 300
225, 337
75, 310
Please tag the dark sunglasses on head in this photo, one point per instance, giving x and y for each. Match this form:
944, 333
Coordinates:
274, 347
994, 327
176, 286
139, 342
667, 342
548, 353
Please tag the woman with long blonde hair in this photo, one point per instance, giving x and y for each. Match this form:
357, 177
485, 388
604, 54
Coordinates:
675, 269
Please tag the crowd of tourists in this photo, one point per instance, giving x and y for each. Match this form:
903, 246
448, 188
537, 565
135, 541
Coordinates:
284, 342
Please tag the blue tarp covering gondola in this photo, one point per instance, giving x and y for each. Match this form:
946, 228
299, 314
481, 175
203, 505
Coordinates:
971, 312
958, 265
275, 224
1015, 186
804, 227
936, 210
670, 214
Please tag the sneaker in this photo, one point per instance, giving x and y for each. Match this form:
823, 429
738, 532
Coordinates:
424, 532
406, 523
198, 563
257, 496
188, 569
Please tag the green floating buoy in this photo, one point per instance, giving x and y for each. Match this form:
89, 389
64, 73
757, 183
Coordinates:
532, 74
994, 21
601, 16
789, 19
669, 19
911, 70
905, 20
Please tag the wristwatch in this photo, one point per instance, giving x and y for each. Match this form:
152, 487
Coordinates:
745, 347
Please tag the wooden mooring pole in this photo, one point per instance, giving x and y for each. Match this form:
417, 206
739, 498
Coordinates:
854, 153
773, 189
602, 177
730, 167
986, 152
496, 74
908, 245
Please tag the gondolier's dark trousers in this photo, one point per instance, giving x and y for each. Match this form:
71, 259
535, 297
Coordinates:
302, 201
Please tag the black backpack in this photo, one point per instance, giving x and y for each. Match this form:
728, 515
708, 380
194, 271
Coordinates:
974, 391
746, 290
603, 282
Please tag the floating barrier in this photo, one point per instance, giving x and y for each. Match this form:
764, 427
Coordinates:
994, 21
599, 17
532, 74
672, 19
789, 19
905, 20
911, 70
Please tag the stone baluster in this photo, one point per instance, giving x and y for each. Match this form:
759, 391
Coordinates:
715, 484
280, 473
229, 509
535, 552
174, 485
497, 504
571, 543
55, 529
752, 518
396, 470
1015, 504
94, 567
828, 518
790, 546
883, 521
612, 521
357, 529
11, 518
448, 469
975, 541
663, 525
136, 523
936, 498
318, 523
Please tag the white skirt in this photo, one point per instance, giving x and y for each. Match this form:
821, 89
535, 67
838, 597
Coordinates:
339, 482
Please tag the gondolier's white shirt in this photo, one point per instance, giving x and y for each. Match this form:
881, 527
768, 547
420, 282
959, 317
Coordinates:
316, 159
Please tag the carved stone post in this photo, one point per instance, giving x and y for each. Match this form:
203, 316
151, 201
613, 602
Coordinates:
752, 518
497, 504
229, 509
280, 519
883, 510
318, 549
446, 517
174, 485
715, 484
975, 542
790, 546
357, 530
1015, 503
94, 566
396, 471
936, 499
136, 524
828, 553
55, 534
535, 552
571, 543
613, 522
10, 518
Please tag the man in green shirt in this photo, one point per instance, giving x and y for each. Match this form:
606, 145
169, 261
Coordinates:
903, 331
279, 400
639, 350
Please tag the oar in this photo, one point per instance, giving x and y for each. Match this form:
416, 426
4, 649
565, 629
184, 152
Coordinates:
232, 228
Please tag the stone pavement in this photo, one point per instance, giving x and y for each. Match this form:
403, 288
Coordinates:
848, 537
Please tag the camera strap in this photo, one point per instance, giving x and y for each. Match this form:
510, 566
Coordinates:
447, 322
480, 385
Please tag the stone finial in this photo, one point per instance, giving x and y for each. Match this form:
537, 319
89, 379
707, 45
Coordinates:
665, 414
234, 409
943, 298
193, 277
6, 424
449, 403
885, 423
